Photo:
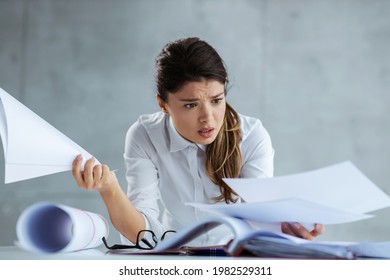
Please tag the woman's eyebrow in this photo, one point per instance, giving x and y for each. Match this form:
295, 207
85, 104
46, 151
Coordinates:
217, 95
197, 99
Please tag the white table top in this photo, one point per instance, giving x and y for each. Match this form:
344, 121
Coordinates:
17, 253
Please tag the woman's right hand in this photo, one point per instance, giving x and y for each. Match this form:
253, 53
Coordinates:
94, 177
296, 229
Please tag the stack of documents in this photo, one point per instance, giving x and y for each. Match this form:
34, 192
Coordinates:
248, 241
335, 194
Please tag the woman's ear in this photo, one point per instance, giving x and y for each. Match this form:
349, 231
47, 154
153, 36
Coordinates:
162, 104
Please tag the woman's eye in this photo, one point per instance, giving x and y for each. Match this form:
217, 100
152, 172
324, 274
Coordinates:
218, 100
189, 105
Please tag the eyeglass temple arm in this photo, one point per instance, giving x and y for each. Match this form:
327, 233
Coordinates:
144, 240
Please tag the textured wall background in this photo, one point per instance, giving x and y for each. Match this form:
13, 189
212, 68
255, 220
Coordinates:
316, 72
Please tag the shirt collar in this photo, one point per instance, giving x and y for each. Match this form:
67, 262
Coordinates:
177, 141
201, 146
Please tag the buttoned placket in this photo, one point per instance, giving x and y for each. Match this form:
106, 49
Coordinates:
193, 150
194, 169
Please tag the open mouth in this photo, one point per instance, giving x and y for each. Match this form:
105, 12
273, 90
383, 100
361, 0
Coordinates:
206, 132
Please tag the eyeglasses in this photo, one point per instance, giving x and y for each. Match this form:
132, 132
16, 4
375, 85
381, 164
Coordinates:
148, 241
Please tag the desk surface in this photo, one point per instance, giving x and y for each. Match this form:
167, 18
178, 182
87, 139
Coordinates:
17, 253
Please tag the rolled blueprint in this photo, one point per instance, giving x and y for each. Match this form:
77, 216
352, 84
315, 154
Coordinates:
52, 228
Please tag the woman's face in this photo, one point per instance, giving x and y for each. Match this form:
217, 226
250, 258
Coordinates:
197, 110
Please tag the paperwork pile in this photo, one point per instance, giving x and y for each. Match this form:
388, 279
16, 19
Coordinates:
334, 194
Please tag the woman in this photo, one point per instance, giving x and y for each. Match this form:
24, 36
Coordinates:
182, 153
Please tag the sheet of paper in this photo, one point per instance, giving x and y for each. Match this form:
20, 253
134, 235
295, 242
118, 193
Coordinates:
372, 249
32, 147
52, 228
341, 186
284, 210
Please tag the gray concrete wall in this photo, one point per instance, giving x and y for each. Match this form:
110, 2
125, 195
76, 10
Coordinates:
316, 72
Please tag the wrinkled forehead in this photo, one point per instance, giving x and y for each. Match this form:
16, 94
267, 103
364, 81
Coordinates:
199, 90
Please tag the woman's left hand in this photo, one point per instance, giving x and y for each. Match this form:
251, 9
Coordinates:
296, 229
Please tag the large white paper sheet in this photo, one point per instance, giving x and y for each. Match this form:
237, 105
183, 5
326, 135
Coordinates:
341, 186
284, 210
331, 195
53, 228
32, 147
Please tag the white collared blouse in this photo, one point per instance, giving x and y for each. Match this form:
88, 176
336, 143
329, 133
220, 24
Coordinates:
164, 171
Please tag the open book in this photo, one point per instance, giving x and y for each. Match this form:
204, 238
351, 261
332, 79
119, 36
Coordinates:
248, 241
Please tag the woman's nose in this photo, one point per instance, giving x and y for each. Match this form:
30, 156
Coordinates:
205, 114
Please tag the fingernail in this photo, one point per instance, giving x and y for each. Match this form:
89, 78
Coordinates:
318, 227
79, 157
296, 225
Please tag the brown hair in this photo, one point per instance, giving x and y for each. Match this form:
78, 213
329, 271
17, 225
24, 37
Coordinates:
194, 60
